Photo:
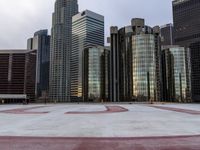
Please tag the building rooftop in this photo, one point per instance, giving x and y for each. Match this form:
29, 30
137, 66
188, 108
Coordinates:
166, 25
176, 2
13, 96
88, 13
15, 51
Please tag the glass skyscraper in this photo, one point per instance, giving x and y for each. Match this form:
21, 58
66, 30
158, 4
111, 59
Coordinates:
168, 89
61, 40
96, 74
143, 66
87, 30
135, 61
176, 74
41, 43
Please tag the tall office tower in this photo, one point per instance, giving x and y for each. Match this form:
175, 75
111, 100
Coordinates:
17, 75
87, 30
186, 22
135, 61
41, 43
195, 70
114, 63
96, 74
168, 76
60, 51
187, 34
175, 74
167, 37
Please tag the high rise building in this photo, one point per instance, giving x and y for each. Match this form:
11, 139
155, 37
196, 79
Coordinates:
176, 84
186, 22
114, 63
187, 34
87, 30
135, 61
195, 70
167, 36
17, 75
168, 76
60, 52
41, 43
96, 71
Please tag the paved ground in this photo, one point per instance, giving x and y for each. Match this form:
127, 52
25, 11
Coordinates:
100, 127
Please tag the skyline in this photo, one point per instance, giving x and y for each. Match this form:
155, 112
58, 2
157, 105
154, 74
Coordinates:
33, 15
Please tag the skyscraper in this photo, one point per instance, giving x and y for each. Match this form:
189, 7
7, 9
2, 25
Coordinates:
168, 76
87, 30
195, 70
186, 22
175, 74
186, 14
114, 62
41, 43
60, 52
135, 59
167, 35
96, 68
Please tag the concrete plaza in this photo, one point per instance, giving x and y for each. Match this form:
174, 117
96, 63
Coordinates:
100, 126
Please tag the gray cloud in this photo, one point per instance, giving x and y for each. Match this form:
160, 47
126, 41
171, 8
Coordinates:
20, 19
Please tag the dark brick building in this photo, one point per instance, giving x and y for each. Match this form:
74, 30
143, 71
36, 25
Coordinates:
17, 75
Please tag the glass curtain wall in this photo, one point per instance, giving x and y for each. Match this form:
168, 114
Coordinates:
144, 67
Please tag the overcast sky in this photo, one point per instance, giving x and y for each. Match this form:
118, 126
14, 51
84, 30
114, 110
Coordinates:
19, 19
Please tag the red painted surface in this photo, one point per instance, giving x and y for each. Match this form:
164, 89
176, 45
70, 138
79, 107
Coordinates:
146, 143
192, 112
24, 110
109, 109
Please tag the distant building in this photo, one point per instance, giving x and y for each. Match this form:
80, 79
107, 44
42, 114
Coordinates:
60, 53
41, 43
17, 75
96, 71
176, 80
87, 30
167, 36
135, 61
186, 14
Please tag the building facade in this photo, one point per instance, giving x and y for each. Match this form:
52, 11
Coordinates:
41, 43
186, 24
60, 51
168, 76
96, 74
114, 62
195, 70
175, 73
17, 75
135, 57
187, 34
167, 35
87, 29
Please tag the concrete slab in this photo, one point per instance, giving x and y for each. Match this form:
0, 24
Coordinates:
86, 127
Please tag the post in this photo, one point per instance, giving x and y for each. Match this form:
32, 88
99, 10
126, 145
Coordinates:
148, 88
181, 94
